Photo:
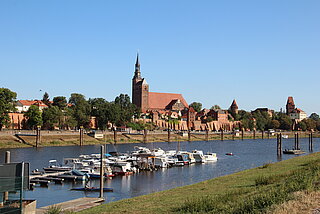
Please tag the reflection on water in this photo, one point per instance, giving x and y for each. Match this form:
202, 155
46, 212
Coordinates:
248, 154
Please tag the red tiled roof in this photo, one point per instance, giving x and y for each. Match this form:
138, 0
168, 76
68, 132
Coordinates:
32, 102
161, 100
26, 102
298, 110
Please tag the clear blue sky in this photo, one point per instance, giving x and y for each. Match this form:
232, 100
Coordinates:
257, 52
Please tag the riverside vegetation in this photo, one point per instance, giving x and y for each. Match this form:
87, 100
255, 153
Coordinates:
54, 139
261, 190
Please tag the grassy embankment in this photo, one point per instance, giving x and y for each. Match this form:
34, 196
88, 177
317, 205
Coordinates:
272, 188
9, 141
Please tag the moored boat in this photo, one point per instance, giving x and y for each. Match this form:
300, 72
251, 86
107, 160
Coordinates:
293, 151
211, 156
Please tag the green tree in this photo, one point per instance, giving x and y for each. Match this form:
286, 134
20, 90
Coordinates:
7, 105
51, 117
246, 119
45, 99
215, 107
99, 109
318, 125
137, 126
262, 119
34, 117
196, 106
124, 108
302, 126
310, 123
68, 121
284, 120
60, 101
81, 109
273, 124
314, 116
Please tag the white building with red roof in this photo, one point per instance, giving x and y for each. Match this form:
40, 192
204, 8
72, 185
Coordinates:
24, 105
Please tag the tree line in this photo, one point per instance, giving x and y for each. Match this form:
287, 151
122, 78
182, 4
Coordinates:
73, 113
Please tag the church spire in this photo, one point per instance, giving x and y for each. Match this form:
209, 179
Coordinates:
137, 73
137, 61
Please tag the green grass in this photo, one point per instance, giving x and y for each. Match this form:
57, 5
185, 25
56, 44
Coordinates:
251, 191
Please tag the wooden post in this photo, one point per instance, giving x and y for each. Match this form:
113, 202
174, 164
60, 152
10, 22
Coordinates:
101, 172
262, 133
221, 134
115, 136
254, 133
280, 138
6, 160
38, 135
268, 134
296, 143
233, 134
169, 135
207, 134
242, 133
189, 135
279, 144
81, 135
311, 142
145, 132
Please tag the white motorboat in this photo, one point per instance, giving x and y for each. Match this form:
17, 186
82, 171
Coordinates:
198, 156
210, 156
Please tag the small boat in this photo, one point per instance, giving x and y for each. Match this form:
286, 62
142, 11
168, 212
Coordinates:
211, 156
284, 136
55, 167
198, 156
293, 151
230, 154
92, 189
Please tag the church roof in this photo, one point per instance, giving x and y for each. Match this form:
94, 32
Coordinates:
161, 100
234, 104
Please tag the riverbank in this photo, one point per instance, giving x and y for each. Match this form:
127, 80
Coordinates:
266, 188
11, 140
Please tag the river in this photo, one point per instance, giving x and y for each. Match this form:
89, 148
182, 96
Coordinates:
248, 154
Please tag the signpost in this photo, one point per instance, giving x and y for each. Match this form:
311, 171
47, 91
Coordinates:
14, 177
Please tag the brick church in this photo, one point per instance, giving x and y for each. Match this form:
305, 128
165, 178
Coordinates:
153, 101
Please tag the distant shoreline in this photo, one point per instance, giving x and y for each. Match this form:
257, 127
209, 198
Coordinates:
8, 140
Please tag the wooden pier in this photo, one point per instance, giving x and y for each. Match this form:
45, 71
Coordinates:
48, 174
74, 205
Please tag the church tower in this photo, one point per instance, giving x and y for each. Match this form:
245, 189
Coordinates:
140, 89
234, 107
290, 107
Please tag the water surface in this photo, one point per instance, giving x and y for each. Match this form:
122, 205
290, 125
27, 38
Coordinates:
248, 154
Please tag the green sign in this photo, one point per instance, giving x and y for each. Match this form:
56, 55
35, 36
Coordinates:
11, 175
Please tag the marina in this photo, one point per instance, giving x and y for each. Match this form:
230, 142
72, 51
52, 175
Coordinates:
245, 154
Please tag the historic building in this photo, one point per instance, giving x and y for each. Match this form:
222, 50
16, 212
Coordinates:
290, 107
162, 108
234, 107
294, 113
153, 101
